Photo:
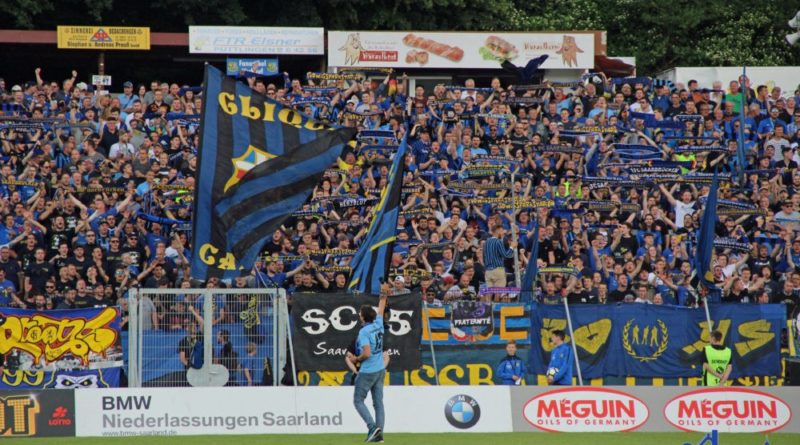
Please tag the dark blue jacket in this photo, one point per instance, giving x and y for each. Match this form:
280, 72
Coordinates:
561, 360
510, 366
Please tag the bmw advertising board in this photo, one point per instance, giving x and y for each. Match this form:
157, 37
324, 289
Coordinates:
286, 410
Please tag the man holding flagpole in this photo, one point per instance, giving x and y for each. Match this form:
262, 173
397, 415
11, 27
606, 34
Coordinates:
494, 255
369, 347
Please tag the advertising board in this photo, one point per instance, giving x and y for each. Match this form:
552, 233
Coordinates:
256, 40
285, 410
412, 49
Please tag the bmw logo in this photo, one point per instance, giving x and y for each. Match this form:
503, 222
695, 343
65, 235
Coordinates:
462, 411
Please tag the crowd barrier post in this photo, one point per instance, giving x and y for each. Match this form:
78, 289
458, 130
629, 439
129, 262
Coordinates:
430, 340
284, 325
134, 336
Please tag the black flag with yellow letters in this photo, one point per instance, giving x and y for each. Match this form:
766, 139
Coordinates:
258, 163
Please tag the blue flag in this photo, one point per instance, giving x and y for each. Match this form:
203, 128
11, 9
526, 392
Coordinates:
529, 279
705, 238
371, 263
258, 163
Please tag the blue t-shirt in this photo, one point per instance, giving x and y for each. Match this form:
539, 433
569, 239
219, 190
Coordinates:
371, 335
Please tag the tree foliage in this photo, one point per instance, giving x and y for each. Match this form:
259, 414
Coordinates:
660, 34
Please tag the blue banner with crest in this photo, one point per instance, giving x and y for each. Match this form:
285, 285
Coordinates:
236, 66
643, 340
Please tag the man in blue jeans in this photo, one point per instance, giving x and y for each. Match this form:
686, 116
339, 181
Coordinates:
369, 347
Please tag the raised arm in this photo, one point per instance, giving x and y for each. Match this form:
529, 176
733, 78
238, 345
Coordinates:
386, 289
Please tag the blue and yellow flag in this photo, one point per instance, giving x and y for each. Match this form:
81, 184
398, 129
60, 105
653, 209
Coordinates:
705, 238
258, 163
370, 265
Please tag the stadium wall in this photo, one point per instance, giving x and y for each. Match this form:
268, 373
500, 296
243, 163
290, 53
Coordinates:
129, 412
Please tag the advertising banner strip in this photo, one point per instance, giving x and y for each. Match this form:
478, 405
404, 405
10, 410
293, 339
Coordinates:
406, 49
256, 40
103, 37
442, 409
324, 329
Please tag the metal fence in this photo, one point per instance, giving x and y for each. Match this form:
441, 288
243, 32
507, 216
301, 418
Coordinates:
207, 337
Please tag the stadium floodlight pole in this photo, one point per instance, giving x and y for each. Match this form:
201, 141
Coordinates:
572, 341
430, 340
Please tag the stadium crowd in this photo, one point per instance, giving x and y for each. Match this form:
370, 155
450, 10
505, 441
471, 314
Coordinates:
97, 191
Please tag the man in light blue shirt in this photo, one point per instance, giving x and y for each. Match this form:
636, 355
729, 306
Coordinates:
369, 347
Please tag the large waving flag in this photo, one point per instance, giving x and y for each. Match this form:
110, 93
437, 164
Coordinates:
529, 279
370, 265
258, 163
705, 241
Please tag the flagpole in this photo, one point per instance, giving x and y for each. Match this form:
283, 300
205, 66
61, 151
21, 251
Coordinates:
708, 314
572, 341
515, 231
742, 156
430, 340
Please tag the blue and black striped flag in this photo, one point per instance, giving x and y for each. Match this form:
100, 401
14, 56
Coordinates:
705, 237
258, 162
370, 265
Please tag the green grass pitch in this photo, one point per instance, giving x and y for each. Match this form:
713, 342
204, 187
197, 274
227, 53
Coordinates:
433, 439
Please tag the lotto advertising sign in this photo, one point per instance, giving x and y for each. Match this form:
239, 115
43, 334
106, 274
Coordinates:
321, 410
37, 413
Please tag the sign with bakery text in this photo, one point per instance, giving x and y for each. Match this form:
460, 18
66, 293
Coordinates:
566, 50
